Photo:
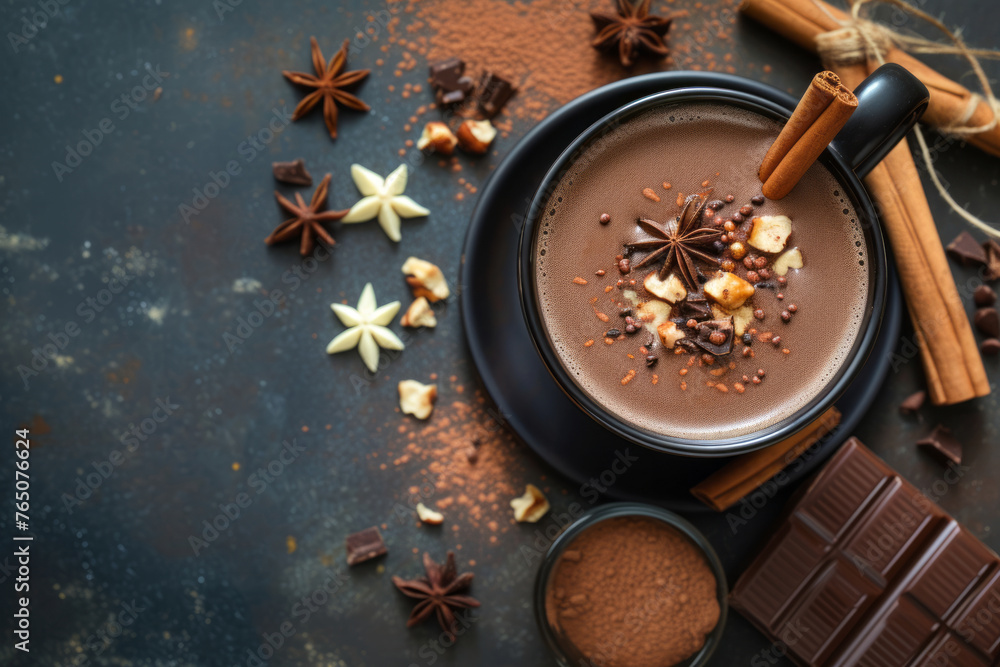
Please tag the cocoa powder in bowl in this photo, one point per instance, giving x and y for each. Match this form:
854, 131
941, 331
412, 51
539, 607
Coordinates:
632, 591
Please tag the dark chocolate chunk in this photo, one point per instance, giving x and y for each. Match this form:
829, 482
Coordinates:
696, 306
984, 296
294, 172
493, 93
365, 545
988, 321
866, 570
967, 250
990, 347
447, 78
992, 249
942, 442
715, 336
913, 402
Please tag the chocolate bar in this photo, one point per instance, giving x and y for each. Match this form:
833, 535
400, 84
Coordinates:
868, 571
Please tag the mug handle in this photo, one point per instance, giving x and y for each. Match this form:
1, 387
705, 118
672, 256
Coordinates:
890, 102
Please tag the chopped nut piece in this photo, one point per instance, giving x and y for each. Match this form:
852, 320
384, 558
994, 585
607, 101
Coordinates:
530, 507
426, 279
742, 317
429, 516
475, 136
790, 259
669, 334
728, 290
653, 313
671, 289
419, 314
437, 137
770, 232
416, 398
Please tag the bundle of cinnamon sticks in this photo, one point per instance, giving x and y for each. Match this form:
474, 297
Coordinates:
948, 349
952, 105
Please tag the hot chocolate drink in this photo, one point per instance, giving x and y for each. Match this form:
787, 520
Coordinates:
681, 300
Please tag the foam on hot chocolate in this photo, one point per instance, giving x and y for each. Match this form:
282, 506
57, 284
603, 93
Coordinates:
685, 145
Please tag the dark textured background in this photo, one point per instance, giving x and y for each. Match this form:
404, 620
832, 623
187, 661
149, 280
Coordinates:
163, 337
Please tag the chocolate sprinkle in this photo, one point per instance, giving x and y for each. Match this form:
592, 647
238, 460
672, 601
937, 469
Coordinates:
913, 402
967, 250
943, 443
365, 545
293, 173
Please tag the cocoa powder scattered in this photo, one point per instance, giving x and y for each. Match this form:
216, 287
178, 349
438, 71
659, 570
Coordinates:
473, 492
632, 592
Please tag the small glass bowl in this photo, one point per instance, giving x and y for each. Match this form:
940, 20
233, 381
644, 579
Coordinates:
565, 654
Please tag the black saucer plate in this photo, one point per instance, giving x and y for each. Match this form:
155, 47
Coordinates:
526, 396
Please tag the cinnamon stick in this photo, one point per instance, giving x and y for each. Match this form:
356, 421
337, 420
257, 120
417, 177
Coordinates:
951, 104
740, 477
951, 359
819, 116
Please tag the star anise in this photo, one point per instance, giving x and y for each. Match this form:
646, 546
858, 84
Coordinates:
631, 31
681, 241
438, 593
329, 82
307, 219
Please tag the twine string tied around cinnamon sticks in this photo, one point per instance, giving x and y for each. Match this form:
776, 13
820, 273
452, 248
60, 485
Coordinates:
860, 40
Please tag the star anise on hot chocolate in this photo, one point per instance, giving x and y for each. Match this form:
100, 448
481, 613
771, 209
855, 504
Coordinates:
681, 241
307, 219
329, 82
632, 30
438, 593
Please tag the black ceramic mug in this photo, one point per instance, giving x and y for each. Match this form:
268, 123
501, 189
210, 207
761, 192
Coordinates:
890, 102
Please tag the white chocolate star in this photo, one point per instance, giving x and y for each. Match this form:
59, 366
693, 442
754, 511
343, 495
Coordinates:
383, 197
367, 329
